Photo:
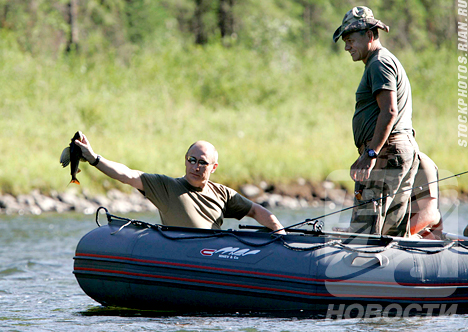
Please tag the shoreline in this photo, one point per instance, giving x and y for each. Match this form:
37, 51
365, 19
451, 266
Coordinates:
297, 195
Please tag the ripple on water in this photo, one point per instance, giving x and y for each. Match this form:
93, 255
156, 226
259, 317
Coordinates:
11, 271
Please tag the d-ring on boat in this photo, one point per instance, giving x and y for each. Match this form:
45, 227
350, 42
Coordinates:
134, 264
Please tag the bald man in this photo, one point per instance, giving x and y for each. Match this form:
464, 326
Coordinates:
189, 201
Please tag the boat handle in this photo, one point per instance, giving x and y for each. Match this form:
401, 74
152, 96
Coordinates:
366, 260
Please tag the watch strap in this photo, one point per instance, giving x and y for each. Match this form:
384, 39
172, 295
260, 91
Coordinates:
371, 153
98, 158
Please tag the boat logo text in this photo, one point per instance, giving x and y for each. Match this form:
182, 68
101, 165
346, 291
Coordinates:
229, 252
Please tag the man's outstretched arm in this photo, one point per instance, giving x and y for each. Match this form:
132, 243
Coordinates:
115, 170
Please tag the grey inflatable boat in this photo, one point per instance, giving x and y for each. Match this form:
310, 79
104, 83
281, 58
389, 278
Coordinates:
133, 264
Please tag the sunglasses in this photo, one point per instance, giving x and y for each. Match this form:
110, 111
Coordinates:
201, 162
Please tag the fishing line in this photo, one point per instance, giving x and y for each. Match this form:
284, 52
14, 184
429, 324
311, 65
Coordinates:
373, 200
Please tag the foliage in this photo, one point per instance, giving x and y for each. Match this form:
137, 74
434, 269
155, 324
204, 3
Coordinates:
275, 96
45, 25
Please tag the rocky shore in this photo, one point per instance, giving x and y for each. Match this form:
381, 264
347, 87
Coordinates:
300, 194
292, 196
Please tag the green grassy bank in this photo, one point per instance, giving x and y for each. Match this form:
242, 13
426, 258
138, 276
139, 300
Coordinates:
273, 116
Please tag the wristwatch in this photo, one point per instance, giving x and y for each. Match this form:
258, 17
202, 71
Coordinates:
371, 153
94, 163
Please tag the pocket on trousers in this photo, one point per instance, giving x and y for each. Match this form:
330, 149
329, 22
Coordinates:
398, 161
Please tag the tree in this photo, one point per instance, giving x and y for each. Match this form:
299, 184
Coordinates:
198, 24
72, 20
226, 18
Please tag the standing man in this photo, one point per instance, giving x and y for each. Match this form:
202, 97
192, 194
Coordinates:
382, 130
189, 201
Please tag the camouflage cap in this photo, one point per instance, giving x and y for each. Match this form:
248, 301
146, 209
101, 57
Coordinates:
358, 18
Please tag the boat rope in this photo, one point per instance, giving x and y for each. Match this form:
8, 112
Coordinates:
431, 251
310, 247
338, 243
460, 244
275, 237
159, 228
216, 234
109, 216
373, 201
125, 225
394, 245
368, 251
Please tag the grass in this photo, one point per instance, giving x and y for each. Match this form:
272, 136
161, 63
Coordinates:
273, 116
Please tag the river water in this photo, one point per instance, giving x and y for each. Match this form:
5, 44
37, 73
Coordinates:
38, 291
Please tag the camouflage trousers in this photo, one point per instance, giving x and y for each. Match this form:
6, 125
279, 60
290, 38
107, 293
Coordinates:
394, 172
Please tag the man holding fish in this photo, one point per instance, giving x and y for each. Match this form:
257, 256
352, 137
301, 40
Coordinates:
189, 201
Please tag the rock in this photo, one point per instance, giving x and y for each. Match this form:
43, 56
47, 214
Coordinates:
26, 200
328, 185
68, 198
289, 203
115, 194
250, 191
123, 206
318, 192
263, 200
9, 204
274, 200
336, 195
101, 200
295, 190
28, 205
61, 207
80, 204
301, 182
303, 203
46, 204
8, 201
136, 198
34, 209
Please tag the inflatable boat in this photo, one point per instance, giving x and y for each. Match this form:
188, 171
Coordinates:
134, 264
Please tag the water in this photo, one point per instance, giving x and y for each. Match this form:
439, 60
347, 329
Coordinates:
38, 291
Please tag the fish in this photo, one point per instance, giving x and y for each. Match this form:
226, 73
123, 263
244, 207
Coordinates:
72, 156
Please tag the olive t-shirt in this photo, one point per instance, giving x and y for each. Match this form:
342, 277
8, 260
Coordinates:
181, 204
383, 71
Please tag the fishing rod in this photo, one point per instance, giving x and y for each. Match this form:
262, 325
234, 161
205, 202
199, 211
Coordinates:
373, 200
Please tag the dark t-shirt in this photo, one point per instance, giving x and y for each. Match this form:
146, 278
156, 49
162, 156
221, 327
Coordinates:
383, 71
181, 204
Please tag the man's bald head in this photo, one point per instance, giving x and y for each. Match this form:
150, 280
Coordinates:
206, 148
